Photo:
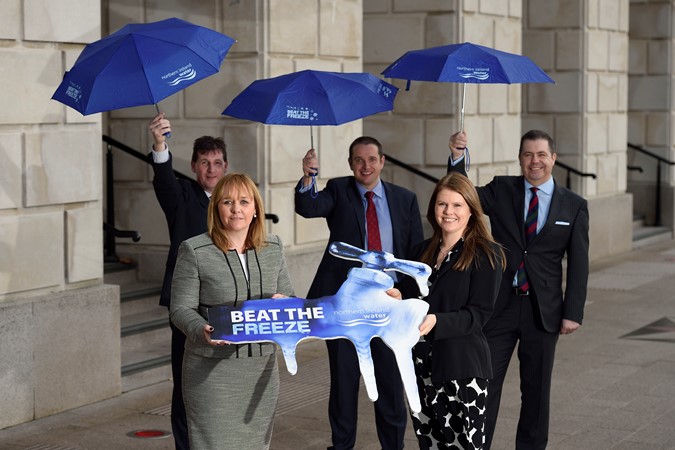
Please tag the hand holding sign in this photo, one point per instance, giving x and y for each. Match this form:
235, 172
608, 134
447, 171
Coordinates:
359, 311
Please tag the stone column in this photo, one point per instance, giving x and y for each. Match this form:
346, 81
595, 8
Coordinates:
51, 261
583, 46
426, 115
651, 110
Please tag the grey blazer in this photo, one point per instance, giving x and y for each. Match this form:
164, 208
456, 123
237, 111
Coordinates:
206, 276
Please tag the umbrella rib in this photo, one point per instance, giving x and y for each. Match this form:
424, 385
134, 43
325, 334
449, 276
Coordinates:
328, 97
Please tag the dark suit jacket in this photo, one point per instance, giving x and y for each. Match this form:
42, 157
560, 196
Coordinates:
463, 303
564, 233
341, 205
185, 205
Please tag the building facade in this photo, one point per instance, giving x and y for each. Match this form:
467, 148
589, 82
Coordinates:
59, 322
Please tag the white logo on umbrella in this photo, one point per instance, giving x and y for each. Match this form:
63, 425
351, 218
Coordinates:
301, 113
185, 73
479, 74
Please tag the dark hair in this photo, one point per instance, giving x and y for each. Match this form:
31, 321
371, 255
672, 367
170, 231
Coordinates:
535, 135
207, 144
476, 236
365, 140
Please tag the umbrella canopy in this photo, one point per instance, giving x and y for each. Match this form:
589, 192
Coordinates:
466, 63
141, 64
312, 97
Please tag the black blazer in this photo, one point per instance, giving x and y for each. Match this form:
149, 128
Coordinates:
340, 203
185, 205
463, 303
565, 233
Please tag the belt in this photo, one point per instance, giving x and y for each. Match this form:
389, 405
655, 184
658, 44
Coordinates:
517, 291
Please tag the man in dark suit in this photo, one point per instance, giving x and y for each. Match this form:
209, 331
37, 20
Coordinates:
185, 204
531, 309
398, 226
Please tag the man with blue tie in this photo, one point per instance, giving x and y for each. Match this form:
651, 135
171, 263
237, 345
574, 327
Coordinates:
364, 211
539, 223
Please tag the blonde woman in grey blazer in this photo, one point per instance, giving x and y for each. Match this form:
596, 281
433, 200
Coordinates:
230, 390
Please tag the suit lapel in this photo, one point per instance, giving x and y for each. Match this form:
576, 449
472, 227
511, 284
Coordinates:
394, 213
519, 207
556, 204
201, 195
357, 205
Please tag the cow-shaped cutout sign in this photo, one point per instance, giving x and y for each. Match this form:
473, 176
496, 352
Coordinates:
359, 311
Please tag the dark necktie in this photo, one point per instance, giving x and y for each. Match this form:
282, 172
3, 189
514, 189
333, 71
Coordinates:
530, 233
372, 225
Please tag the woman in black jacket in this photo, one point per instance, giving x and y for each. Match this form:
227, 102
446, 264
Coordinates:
452, 359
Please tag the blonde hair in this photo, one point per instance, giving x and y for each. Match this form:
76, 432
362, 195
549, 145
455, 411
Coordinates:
256, 237
476, 236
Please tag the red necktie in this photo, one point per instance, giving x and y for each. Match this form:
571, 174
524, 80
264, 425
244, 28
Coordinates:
372, 225
530, 233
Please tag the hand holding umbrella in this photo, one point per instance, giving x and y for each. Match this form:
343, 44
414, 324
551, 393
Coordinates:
310, 168
160, 128
458, 144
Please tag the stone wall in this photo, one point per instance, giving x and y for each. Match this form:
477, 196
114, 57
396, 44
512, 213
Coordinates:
651, 110
611, 59
51, 260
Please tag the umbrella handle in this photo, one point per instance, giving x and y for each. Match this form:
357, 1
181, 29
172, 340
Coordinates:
168, 133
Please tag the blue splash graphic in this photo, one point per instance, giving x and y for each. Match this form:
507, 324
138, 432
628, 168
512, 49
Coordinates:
359, 311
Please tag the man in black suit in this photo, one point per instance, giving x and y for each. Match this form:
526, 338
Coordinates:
531, 310
185, 203
398, 225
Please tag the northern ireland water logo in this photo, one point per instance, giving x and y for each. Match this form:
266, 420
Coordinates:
185, 73
478, 73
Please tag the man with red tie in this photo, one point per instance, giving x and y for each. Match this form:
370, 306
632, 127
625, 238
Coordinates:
364, 211
539, 223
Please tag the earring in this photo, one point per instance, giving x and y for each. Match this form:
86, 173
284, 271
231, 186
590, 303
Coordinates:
255, 216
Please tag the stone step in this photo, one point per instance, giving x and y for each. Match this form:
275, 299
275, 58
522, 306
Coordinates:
146, 367
644, 236
142, 297
145, 330
145, 336
121, 273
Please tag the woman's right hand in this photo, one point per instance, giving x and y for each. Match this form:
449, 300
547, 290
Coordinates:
394, 293
428, 324
208, 329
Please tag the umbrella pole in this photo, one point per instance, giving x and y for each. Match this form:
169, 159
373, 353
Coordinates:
315, 190
461, 114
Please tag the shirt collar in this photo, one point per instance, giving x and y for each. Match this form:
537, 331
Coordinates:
546, 187
378, 189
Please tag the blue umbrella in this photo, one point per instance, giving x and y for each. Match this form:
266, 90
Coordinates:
465, 63
312, 97
141, 64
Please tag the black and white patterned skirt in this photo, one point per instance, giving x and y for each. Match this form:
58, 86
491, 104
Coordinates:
453, 412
